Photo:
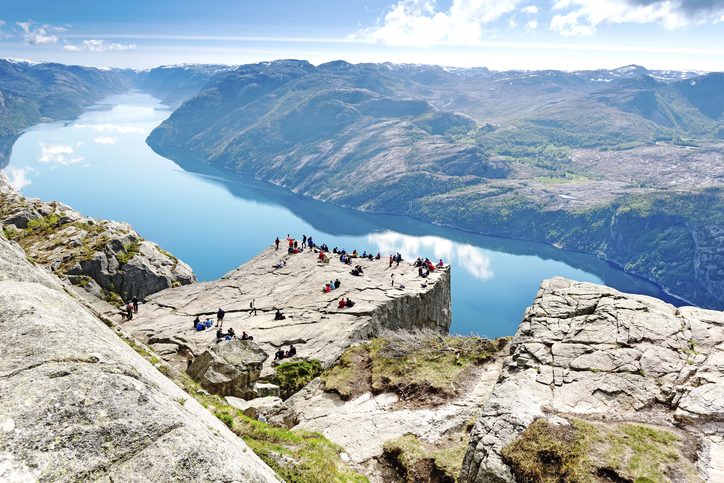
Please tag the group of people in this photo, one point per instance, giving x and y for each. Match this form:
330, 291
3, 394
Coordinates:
130, 308
424, 267
328, 287
220, 335
293, 245
397, 258
282, 354
345, 303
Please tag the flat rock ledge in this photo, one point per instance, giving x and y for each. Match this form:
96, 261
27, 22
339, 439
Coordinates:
78, 404
586, 349
314, 323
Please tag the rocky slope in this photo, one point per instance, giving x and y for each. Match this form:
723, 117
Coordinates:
79, 404
107, 258
589, 352
314, 324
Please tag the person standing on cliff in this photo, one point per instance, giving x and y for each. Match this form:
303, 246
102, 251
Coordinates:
276, 242
220, 317
252, 307
304, 241
135, 304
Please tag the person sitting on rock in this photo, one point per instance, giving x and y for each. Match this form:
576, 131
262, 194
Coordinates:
197, 321
440, 264
355, 272
349, 302
327, 288
292, 351
200, 326
421, 272
364, 254
359, 269
245, 336
279, 355
231, 332
208, 322
321, 255
337, 283
369, 257
342, 304
219, 335
279, 315
378, 256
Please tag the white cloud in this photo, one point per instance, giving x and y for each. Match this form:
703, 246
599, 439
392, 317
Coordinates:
512, 23
530, 10
60, 154
531, 24
111, 128
98, 45
582, 17
18, 177
105, 140
419, 23
36, 34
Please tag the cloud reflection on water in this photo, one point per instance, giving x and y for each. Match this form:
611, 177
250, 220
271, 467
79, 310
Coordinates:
472, 259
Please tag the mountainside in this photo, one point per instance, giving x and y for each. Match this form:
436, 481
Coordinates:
174, 84
581, 159
34, 92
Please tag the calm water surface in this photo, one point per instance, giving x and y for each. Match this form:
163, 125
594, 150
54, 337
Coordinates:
101, 166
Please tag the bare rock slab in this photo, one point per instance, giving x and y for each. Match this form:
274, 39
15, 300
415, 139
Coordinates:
78, 404
589, 350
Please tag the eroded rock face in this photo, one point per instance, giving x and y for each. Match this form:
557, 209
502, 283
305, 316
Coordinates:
101, 256
230, 368
78, 404
314, 324
589, 349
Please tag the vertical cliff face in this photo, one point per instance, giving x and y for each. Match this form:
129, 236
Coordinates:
78, 404
595, 353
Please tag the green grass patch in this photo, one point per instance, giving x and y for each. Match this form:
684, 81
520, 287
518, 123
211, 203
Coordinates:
421, 365
294, 375
583, 451
130, 250
419, 461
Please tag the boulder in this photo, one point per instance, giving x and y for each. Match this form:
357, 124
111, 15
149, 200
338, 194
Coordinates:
79, 404
264, 389
257, 406
230, 368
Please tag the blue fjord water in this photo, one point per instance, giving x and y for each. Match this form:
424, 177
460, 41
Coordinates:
101, 166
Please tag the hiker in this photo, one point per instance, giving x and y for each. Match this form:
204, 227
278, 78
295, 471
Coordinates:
304, 241
398, 258
279, 315
134, 300
326, 288
337, 283
276, 242
342, 304
129, 311
219, 335
359, 269
421, 272
393, 278
245, 336
279, 355
378, 256
200, 326
220, 317
390, 261
349, 302
197, 321
355, 272
440, 264
252, 307
310, 243
208, 323
231, 332
292, 351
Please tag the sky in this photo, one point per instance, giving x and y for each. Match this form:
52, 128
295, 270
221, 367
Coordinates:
498, 34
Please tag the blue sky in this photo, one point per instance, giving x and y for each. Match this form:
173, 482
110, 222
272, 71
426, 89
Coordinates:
499, 34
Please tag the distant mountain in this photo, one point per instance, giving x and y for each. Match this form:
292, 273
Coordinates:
174, 84
518, 153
